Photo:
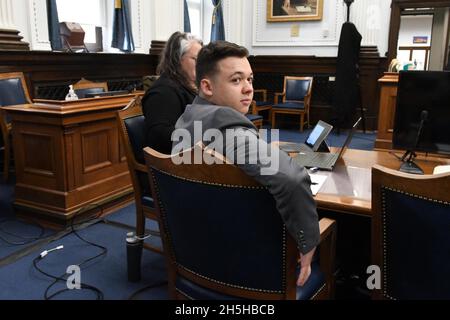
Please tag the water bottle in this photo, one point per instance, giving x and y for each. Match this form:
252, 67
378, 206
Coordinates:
134, 254
71, 95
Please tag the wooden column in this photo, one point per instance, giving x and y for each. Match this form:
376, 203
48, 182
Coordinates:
9, 36
386, 115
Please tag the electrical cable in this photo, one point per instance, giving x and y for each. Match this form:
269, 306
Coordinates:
26, 239
62, 278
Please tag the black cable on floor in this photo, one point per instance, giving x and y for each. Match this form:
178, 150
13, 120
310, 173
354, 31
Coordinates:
27, 240
62, 278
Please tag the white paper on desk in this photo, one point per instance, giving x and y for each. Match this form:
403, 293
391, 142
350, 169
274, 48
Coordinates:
441, 169
317, 181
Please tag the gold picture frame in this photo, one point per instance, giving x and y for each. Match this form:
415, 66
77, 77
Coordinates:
294, 10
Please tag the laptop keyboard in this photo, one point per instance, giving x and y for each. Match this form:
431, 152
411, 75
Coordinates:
317, 159
295, 147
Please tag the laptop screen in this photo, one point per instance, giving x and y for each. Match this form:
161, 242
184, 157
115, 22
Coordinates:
314, 135
349, 138
319, 133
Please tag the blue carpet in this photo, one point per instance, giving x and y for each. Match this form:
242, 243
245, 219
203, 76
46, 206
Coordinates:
108, 273
13, 230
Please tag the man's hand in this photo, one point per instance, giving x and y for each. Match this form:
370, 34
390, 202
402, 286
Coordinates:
305, 265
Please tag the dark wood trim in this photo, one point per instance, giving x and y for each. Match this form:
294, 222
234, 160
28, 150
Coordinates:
396, 7
10, 40
270, 70
43, 69
52, 68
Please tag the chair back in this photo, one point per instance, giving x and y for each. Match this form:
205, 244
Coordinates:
84, 87
225, 234
132, 124
297, 88
13, 89
411, 234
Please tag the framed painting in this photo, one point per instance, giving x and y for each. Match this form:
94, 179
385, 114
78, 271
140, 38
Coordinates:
294, 10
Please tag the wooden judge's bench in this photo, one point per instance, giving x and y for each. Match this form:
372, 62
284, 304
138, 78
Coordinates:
68, 157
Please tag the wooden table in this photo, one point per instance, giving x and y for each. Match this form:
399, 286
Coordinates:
348, 188
67, 157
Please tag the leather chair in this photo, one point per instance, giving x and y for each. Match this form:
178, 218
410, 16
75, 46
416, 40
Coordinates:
13, 91
223, 237
296, 99
411, 234
256, 119
260, 104
84, 86
131, 128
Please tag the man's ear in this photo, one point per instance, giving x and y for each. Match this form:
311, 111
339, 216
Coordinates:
206, 87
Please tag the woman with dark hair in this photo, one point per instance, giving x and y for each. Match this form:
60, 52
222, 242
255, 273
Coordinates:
166, 100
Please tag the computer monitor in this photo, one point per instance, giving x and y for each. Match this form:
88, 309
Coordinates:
423, 104
106, 93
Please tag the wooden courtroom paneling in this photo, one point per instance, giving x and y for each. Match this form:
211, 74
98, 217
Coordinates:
270, 70
49, 73
68, 157
45, 69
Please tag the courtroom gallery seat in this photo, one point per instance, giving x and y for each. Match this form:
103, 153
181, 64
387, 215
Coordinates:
223, 237
84, 87
296, 99
13, 91
131, 127
411, 234
260, 104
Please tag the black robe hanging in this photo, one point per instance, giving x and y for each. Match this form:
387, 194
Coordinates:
347, 93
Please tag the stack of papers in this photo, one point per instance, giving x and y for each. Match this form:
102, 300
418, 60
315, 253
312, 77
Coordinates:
317, 181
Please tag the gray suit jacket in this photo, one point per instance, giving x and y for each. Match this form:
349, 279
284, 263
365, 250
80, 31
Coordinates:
287, 182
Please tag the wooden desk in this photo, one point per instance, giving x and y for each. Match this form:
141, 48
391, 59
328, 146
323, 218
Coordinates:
348, 187
67, 156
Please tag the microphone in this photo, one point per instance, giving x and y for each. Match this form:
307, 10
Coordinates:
409, 166
423, 118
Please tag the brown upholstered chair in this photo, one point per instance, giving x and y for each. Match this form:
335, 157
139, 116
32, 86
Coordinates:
13, 91
411, 234
84, 86
224, 238
296, 99
131, 127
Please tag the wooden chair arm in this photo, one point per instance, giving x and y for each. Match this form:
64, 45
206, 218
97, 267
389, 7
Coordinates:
278, 94
253, 107
263, 92
328, 230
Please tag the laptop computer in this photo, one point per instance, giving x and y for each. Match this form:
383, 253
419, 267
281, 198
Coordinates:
325, 160
312, 142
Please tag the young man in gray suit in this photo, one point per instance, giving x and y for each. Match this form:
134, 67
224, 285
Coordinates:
224, 79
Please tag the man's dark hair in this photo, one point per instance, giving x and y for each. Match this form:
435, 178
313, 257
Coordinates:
211, 54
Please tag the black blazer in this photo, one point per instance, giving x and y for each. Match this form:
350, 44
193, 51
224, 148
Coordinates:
162, 105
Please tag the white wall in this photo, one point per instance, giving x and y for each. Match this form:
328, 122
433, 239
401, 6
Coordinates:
245, 24
411, 26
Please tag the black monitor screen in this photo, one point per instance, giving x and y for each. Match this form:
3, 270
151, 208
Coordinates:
106, 93
423, 96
